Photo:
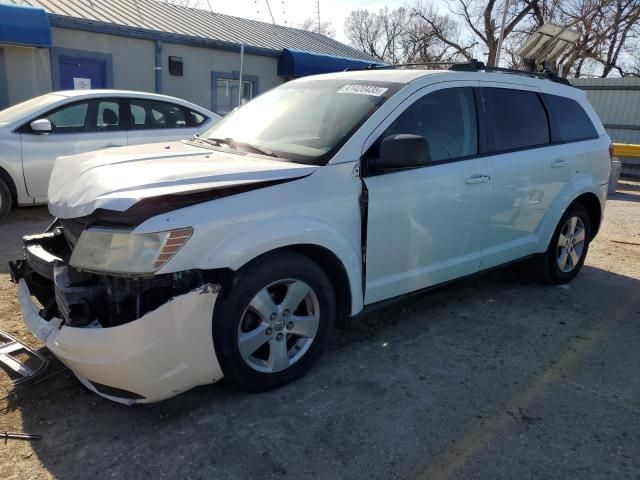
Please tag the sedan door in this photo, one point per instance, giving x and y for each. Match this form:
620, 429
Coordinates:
77, 127
152, 121
425, 225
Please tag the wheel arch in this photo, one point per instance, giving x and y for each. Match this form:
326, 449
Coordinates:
335, 270
6, 178
592, 203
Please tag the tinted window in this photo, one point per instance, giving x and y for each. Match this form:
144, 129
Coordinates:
70, 119
151, 114
571, 120
446, 118
515, 119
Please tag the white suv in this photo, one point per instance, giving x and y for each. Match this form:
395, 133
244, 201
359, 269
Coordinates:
236, 252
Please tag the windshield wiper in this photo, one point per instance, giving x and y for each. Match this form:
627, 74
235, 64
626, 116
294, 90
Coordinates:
235, 144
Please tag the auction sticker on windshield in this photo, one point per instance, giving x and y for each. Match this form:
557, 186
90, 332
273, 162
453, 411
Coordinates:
370, 90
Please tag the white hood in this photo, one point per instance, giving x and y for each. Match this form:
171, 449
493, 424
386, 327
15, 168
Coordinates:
118, 178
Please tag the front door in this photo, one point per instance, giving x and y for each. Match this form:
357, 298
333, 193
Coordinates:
82, 73
78, 127
425, 225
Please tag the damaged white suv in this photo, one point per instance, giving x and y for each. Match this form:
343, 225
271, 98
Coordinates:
234, 253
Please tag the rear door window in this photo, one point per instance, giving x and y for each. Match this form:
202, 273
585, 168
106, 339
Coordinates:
572, 122
515, 119
152, 114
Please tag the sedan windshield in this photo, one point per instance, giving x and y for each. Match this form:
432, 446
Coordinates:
305, 121
17, 112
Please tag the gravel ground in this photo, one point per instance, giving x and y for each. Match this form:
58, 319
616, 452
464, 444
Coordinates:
493, 377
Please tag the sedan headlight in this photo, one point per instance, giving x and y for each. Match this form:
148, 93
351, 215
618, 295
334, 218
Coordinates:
120, 251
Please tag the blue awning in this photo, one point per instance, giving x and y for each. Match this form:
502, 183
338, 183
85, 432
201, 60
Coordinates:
24, 25
297, 63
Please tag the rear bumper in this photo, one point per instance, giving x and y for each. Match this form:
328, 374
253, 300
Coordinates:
163, 353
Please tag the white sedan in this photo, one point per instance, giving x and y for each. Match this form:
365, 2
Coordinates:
34, 133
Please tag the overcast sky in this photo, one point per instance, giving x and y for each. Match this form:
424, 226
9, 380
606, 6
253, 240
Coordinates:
293, 12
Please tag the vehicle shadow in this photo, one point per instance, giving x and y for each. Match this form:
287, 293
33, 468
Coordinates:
421, 367
628, 190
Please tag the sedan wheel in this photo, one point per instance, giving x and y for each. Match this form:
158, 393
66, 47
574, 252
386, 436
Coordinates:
279, 325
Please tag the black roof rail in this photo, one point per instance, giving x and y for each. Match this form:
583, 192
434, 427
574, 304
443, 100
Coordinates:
472, 65
546, 74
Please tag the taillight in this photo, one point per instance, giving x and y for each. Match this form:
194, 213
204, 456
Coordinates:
611, 151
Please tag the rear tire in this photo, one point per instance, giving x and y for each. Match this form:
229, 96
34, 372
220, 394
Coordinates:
568, 247
6, 200
271, 326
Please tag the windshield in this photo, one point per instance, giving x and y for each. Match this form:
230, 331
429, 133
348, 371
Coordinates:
17, 112
304, 121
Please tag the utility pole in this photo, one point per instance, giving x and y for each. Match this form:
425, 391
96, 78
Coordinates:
501, 37
318, 13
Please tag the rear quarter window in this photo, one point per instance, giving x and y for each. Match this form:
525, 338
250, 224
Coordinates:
571, 121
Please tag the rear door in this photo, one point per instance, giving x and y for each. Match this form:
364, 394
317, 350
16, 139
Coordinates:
425, 225
78, 127
528, 171
152, 121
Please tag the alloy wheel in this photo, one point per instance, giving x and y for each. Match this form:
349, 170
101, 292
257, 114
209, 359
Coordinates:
278, 326
571, 243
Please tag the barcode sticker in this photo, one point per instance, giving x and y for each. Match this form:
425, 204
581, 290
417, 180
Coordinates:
370, 90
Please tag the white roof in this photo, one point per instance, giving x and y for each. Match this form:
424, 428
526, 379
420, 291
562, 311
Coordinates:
408, 75
90, 93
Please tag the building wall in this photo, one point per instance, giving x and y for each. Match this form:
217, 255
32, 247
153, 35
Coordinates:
132, 66
198, 63
617, 102
27, 72
133, 59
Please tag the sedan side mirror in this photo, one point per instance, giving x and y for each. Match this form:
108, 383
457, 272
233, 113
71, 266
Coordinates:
403, 151
41, 125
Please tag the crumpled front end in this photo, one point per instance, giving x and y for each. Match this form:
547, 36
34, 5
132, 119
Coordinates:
130, 339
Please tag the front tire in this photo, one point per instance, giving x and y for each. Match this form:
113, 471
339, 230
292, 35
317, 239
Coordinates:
273, 323
6, 200
568, 247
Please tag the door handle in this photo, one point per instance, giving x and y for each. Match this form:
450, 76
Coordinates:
558, 164
477, 178
111, 145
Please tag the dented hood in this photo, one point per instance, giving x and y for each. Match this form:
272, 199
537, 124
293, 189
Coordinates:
116, 179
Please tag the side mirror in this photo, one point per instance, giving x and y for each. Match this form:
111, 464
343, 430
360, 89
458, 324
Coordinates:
403, 151
41, 125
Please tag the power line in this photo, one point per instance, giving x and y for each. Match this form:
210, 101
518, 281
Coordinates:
269, 7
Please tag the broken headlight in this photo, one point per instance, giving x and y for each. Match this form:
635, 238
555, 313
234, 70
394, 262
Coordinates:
121, 251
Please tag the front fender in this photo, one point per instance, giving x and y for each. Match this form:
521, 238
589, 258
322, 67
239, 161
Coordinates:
262, 237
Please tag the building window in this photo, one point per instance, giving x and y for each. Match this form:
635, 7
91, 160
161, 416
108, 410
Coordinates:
227, 94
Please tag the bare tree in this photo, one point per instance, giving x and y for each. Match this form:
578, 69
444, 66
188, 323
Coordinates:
311, 25
479, 19
397, 36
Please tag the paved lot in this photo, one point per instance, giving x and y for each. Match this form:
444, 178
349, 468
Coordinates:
494, 377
